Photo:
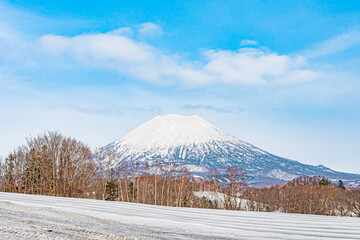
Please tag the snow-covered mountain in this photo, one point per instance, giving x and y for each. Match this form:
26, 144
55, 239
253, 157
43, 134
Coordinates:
196, 143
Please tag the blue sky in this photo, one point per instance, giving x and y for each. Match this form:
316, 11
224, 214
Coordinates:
284, 76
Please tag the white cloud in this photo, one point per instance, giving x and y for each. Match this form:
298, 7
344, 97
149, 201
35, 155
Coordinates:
141, 61
149, 29
250, 66
248, 42
5, 32
298, 76
335, 44
124, 31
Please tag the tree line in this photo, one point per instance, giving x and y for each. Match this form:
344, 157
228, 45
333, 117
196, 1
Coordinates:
306, 195
55, 165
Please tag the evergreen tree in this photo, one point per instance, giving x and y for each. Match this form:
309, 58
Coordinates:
341, 184
324, 182
111, 191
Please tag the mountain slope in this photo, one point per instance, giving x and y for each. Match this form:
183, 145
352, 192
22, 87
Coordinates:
196, 143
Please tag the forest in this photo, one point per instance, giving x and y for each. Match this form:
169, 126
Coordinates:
56, 165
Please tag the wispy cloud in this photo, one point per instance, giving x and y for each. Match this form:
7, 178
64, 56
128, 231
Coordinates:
248, 42
141, 61
124, 31
9, 83
95, 109
6, 33
149, 29
211, 108
335, 44
126, 51
84, 108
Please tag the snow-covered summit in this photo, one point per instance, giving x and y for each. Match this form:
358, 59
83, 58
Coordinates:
174, 130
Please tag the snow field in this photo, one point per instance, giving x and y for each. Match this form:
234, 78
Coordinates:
44, 217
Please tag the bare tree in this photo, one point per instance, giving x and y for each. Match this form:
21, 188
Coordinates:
353, 201
236, 182
51, 164
105, 161
214, 177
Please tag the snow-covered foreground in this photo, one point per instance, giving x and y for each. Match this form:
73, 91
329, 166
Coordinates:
43, 217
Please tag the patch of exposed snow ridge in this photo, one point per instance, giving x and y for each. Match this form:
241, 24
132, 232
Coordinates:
279, 174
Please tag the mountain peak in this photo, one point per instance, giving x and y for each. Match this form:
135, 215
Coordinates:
173, 130
197, 144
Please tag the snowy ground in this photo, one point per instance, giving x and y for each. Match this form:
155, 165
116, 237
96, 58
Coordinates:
43, 217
